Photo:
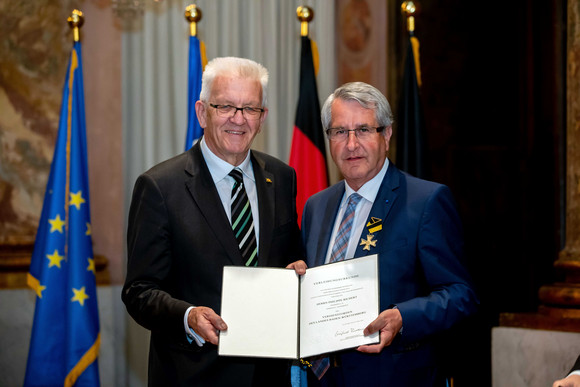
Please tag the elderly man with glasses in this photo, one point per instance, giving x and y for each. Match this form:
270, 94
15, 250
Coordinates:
217, 204
412, 225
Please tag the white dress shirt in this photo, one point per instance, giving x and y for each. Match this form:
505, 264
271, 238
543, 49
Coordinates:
219, 170
369, 192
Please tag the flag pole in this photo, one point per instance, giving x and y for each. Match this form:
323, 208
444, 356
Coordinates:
305, 14
193, 14
409, 9
197, 62
76, 21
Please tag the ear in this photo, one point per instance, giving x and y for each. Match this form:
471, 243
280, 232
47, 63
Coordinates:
201, 112
388, 132
263, 118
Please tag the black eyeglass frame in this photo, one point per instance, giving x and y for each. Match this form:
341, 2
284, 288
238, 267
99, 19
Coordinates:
356, 131
246, 109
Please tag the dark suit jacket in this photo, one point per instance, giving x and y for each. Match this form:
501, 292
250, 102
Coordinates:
179, 239
420, 251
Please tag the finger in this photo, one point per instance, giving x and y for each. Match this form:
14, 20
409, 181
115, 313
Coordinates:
375, 348
218, 322
385, 339
203, 320
374, 326
298, 266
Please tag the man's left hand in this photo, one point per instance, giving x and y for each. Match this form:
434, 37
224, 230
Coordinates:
389, 323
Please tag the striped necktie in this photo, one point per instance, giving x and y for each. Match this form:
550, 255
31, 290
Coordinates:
343, 235
242, 220
321, 365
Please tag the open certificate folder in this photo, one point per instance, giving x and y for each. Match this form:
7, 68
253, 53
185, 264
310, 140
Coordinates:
272, 312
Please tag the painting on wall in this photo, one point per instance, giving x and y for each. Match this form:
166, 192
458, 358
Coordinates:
36, 42
362, 42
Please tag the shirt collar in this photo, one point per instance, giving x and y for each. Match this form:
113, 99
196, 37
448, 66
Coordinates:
219, 168
370, 189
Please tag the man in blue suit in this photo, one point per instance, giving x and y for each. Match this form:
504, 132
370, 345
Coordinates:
412, 225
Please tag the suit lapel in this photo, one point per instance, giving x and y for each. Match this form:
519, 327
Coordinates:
384, 202
204, 193
265, 185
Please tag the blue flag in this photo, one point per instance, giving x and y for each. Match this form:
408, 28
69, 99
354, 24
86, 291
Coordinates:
194, 131
65, 338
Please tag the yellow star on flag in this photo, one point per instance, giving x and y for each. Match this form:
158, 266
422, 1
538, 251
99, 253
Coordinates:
39, 290
54, 259
76, 199
89, 230
35, 285
91, 266
79, 296
57, 224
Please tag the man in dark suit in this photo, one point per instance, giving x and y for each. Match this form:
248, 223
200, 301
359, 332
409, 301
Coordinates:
573, 378
414, 228
182, 232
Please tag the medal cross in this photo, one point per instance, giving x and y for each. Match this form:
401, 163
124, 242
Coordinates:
368, 242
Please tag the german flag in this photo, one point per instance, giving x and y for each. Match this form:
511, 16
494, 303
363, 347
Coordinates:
308, 152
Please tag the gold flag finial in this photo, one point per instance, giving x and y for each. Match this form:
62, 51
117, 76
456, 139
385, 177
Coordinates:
408, 8
305, 14
76, 21
193, 14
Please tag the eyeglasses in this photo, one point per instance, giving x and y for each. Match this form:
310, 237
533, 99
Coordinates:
362, 133
228, 111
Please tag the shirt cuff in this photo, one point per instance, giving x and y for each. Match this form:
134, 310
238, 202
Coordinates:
190, 333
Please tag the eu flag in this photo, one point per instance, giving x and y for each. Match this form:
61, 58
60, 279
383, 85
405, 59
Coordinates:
196, 62
65, 338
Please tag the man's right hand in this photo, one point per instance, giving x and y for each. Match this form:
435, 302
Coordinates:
206, 323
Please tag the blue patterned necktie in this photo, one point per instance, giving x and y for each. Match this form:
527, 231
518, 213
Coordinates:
320, 366
242, 220
343, 235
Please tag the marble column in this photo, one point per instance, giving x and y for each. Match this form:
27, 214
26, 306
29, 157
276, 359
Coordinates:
567, 293
560, 302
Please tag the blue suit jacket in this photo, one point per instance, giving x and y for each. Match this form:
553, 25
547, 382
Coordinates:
420, 249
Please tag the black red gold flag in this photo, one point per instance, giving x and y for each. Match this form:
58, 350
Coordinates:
308, 152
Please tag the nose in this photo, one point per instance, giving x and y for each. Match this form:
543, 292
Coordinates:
238, 119
352, 141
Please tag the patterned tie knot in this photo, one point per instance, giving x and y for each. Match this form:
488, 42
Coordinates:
237, 175
353, 200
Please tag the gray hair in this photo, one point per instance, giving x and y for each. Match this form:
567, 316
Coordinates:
236, 67
366, 95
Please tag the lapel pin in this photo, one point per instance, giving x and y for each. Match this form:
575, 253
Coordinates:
268, 180
374, 225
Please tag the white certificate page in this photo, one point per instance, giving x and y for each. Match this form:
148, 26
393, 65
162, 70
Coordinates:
260, 307
337, 303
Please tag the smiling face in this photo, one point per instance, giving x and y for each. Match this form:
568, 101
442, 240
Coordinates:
358, 161
231, 138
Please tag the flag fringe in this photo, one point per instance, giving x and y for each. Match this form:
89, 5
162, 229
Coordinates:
88, 358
